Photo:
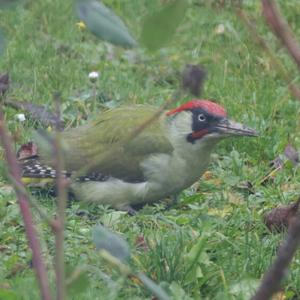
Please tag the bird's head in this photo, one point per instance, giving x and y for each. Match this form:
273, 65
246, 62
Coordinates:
204, 120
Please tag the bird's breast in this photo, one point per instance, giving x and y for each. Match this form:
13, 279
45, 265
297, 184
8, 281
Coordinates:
170, 174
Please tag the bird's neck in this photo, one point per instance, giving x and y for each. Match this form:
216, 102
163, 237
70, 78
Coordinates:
177, 129
192, 152
192, 157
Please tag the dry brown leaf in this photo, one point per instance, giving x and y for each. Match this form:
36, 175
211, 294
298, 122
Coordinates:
235, 198
27, 150
141, 243
207, 175
289, 187
5, 286
222, 213
280, 218
4, 83
279, 296
291, 153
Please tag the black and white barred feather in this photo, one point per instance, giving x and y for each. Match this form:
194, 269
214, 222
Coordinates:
33, 168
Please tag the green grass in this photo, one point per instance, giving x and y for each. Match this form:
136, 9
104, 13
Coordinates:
46, 53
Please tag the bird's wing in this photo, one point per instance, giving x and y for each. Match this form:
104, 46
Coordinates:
106, 145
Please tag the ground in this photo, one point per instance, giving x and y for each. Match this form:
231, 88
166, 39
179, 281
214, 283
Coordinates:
47, 52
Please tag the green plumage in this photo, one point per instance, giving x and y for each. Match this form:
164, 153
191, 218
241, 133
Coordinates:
105, 144
119, 161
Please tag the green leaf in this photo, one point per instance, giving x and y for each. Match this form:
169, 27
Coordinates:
158, 28
194, 274
102, 22
196, 252
196, 256
112, 218
111, 242
178, 292
154, 288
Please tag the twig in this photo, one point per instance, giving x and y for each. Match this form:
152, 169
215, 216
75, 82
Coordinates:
31, 232
61, 206
155, 116
37, 112
281, 29
275, 61
270, 283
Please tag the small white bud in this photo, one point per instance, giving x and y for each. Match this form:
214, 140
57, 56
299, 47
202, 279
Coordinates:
220, 29
93, 76
20, 117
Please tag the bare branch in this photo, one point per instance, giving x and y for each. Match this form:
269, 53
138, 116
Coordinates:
281, 29
155, 116
31, 232
276, 63
270, 283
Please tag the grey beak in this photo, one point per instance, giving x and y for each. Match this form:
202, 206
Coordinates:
229, 127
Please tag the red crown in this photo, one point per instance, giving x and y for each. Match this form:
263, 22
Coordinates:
207, 105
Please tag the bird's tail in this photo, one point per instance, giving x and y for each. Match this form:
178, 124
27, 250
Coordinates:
36, 174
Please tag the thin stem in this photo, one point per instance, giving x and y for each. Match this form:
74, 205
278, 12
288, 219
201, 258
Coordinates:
276, 63
22, 198
61, 183
280, 27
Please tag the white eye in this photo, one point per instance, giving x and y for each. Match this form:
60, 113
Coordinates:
201, 118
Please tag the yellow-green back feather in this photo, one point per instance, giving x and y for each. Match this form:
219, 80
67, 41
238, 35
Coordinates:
104, 145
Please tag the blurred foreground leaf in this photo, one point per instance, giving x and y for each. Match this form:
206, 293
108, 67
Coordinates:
102, 22
192, 79
111, 242
9, 3
8, 295
2, 42
158, 28
77, 280
153, 287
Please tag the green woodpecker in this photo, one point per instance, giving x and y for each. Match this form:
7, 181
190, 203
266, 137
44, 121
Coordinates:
166, 157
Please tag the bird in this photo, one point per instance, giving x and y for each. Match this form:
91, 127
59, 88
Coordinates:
124, 169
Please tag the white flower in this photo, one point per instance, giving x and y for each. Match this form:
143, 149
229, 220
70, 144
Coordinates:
20, 117
220, 29
93, 76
